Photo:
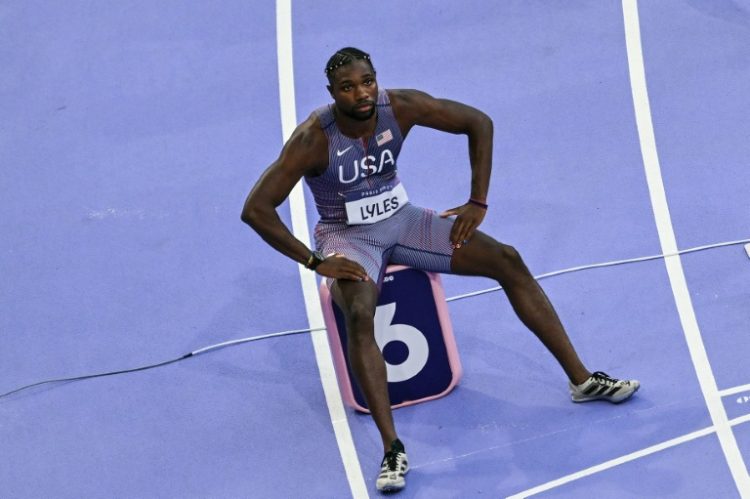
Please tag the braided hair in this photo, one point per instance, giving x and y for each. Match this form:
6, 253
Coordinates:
345, 56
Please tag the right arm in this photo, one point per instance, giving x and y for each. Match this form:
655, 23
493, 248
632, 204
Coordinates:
306, 151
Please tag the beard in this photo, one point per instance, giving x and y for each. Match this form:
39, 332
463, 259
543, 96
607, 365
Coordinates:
362, 115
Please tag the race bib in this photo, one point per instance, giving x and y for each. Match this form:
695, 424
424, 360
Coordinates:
368, 207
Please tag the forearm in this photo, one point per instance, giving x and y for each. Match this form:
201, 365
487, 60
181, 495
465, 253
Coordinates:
480, 156
268, 225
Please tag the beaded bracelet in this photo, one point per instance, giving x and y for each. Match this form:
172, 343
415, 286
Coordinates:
478, 203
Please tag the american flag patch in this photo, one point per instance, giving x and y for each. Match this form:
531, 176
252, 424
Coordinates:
384, 137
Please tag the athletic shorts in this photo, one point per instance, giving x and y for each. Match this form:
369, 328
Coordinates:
413, 236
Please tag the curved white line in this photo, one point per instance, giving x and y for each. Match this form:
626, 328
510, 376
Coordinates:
669, 245
309, 284
721, 424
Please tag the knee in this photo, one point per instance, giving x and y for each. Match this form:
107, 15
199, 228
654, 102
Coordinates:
508, 256
508, 265
360, 322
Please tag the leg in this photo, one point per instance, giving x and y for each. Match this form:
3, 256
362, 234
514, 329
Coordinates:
358, 301
483, 256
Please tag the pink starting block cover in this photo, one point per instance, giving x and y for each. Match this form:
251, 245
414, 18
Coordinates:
413, 330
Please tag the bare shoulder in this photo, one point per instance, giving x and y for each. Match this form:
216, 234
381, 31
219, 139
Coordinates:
308, 135
414, 107
408, 96
307, 148
409, 100
409, 106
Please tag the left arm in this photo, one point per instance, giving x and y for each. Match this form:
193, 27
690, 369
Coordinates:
413, 107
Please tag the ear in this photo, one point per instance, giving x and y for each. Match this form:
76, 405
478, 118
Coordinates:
330, 89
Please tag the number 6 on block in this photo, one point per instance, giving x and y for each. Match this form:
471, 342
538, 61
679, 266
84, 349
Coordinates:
413, 338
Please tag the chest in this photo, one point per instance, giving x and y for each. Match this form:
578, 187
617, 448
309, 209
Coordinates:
352, 160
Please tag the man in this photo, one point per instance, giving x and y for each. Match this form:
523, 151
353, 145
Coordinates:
347, 152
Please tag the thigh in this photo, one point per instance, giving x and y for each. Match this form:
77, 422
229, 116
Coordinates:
355, 243
424, 242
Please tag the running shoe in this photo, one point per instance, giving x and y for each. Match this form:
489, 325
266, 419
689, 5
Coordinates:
601, 386
392, 470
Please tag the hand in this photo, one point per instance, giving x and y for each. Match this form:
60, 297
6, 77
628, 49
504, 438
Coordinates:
338, 266
468, 218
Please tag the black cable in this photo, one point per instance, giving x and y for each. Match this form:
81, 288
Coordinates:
152, 366
78, 378
297, 331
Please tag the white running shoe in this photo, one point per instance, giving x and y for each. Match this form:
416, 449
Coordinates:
600, 386
395, 465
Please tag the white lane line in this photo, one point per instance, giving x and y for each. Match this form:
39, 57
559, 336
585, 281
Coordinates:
613, 462
668, 245
309, 285
733, 390
625, 459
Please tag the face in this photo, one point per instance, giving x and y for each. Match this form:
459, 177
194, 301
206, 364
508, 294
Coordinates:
355, 90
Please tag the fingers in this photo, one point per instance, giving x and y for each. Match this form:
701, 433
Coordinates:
461, 233
464, 226
354, 276
352, 271
462, 230
451, 212
338, 266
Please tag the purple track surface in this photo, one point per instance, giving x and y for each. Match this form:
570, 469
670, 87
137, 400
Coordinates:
131, 131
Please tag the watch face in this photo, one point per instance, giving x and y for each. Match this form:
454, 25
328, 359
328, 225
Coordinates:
317, 259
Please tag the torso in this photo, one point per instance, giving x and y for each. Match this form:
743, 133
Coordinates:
356, 167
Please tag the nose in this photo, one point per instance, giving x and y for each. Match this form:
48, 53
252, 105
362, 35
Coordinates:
362, 93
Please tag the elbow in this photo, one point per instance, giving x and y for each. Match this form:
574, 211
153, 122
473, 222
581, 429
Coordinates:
480, 126
247, 217
250, 214
486, 123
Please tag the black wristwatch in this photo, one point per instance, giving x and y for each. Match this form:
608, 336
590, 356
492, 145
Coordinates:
316, 258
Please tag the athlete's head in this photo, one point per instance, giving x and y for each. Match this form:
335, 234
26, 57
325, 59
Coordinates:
352, 84
345, 56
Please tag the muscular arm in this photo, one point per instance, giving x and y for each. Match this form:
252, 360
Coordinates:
299, 155
413, 107
306, 151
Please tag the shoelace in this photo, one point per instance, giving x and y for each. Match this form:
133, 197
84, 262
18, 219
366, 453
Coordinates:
604, 378
391, 459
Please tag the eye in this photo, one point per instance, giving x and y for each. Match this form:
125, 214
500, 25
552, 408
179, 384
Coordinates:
369, 81
346, 87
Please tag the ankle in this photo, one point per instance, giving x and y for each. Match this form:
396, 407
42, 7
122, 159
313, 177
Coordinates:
579, 378
395, 443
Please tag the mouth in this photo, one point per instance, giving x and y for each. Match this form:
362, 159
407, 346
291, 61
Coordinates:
364, 107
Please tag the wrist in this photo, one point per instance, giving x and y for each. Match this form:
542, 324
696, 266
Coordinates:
315, 259
477, 202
